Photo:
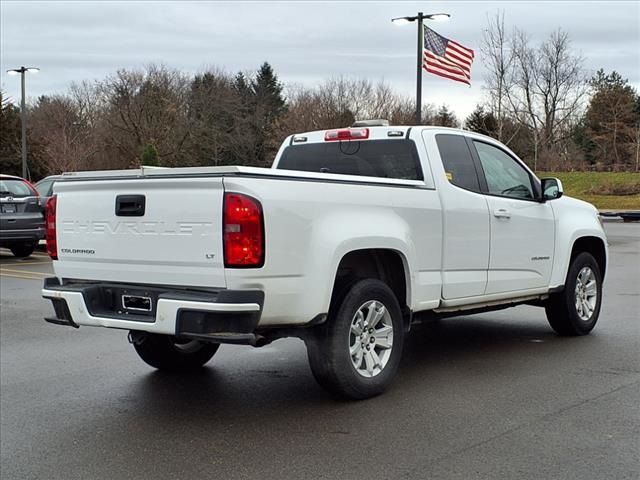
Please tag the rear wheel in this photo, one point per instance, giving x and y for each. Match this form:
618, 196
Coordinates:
575, 310
356, 354
166, 352
23, 250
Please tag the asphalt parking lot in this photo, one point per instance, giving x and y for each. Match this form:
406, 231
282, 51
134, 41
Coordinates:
496, 395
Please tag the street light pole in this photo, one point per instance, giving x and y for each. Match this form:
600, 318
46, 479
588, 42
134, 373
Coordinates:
23, 123
23, 111
419, 70
420, 18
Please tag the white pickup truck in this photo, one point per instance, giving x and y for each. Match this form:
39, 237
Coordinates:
349, 237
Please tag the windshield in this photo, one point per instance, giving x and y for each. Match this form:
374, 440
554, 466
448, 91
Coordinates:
373, 158
14, 188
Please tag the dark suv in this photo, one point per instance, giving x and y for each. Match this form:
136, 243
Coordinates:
21, 216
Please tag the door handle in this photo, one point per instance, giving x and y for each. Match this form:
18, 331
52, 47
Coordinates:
501, 213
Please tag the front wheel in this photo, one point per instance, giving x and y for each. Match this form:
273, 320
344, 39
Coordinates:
575, 310
356, 354
166, 352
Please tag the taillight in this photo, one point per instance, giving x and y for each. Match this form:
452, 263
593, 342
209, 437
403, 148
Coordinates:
50, 219
243, 227
347, 134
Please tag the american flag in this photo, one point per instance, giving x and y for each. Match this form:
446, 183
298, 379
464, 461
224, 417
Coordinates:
446, 58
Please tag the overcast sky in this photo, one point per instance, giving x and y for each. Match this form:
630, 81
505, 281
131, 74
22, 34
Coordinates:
305, 42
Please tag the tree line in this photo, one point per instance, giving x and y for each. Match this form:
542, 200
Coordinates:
538, 101
160, 116
541, 103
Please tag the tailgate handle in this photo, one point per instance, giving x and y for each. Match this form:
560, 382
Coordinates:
130, 205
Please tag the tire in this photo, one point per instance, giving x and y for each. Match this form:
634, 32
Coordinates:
576, 309
330, 349
166, 352
23, 250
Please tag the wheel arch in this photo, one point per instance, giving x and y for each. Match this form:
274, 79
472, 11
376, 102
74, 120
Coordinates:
385, 264
593, 245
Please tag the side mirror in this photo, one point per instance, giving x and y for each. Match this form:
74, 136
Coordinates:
551, 189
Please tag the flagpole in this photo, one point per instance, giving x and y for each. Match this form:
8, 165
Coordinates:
419, 71
420, 18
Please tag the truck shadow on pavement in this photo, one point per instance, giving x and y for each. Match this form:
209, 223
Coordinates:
457, 348
271, 403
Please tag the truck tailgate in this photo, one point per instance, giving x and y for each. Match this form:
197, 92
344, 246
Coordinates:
163, 231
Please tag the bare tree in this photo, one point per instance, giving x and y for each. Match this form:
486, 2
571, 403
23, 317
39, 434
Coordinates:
547, 88
339, 101
560, 84
62, 134
499, 61
88, 101
146, 108
404, 112
521, 95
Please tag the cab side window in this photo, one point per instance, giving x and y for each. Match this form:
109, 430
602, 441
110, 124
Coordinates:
457, 161
505, 176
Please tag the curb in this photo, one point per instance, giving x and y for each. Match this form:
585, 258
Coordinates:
625, 216
611, 219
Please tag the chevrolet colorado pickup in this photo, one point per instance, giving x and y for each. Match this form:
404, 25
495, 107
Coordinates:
351, 235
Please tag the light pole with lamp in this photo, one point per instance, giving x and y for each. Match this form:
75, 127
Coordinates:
23, 115
421, 17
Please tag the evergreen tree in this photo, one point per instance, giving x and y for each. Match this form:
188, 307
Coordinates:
602, 81
150, 157
242, 88
482, 122
10, 135
214, 106
580, 136
445, 117
269, 106
241, 84
267, 93
262, 106
612, 119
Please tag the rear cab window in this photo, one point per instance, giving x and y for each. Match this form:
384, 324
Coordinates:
13, 187
458, 163
397, 158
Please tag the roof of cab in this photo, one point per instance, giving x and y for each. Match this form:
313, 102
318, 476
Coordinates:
377, 132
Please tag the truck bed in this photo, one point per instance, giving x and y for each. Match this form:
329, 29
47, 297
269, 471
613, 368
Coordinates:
161, 172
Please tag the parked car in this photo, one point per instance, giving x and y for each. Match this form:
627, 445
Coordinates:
21, 216
45, 188
351, 236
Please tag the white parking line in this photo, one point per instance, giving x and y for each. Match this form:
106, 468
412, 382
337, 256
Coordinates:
28, 262
20, 276
3, 269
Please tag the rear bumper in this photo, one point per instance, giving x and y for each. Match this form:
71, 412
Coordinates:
21, 235
224, 316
